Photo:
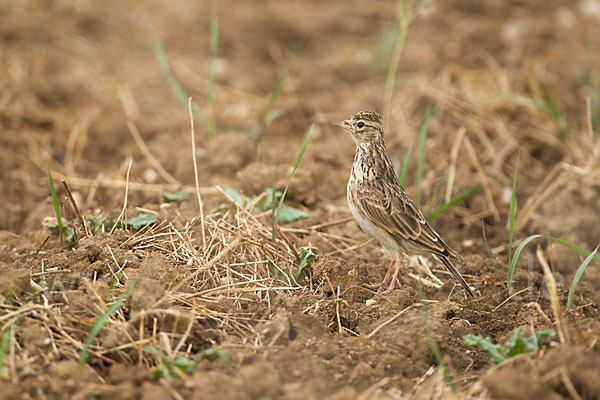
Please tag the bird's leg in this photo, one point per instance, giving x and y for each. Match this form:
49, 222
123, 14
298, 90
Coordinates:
385, 284
393, 282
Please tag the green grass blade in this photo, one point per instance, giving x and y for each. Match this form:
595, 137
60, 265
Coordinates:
178, 92
578, 275
4, 343
269, 114
573, 247
101, 319
405, 162
207, 353
513, 263
549, 103
298, 159
56, 207
511, 214
422, 150
214, 44
453, 201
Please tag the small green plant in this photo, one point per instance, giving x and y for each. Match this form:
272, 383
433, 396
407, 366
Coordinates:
175, 367
578, 275
7, 333
174, 197
68, 232
513, 258
286, 214
138, 221
180, 95
270, 114
55, 204
96, 222
511, 213
573, 247
269, 198
550, 106
101, 318
453, 201
516, 344
306, 257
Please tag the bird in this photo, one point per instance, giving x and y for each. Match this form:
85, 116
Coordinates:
381, 206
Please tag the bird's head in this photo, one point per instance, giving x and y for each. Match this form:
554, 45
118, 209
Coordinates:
365, 127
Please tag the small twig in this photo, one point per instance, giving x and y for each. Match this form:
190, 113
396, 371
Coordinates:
486, 185
185, 335
42, 245
148, 155
453, 156
117, 264
74, 205
370, 335
329, 224
549, 185
200, 204
553, 293
337, 304
125, 201
566, 381
354, 247
539, 309
510, 297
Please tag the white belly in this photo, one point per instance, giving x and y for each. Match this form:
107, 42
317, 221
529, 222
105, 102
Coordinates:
387, 241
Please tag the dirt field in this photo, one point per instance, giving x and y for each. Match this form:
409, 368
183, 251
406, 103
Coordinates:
84, 91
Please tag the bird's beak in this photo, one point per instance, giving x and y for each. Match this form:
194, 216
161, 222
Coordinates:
341, 124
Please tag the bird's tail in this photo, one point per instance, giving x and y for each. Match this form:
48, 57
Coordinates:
456, 274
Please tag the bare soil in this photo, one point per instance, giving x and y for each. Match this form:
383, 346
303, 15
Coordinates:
81, 78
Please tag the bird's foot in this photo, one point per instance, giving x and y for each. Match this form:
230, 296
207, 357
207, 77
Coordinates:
383, 286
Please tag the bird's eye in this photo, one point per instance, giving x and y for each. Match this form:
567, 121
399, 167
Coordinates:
360, 124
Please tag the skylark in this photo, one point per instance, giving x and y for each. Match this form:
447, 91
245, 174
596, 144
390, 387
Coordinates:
380, 205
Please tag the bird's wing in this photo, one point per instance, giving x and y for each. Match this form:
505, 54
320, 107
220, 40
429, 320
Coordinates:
389, 207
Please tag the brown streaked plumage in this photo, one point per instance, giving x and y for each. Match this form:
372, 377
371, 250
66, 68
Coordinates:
380, 205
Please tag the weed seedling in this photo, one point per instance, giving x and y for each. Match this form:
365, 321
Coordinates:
306, 256
56, 206
516, 344
95, 223
138, 221
513, 258
174, 197
175, 367
578, 275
